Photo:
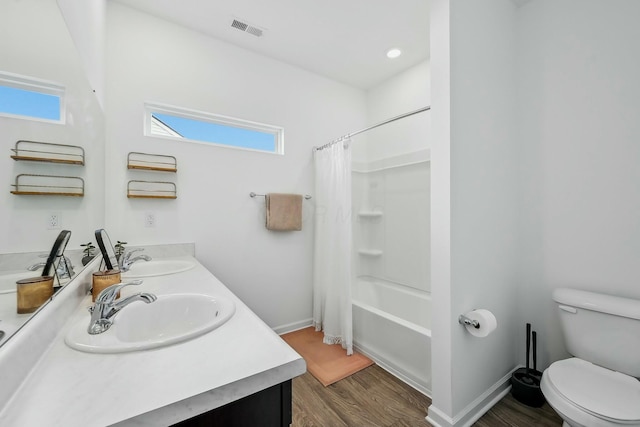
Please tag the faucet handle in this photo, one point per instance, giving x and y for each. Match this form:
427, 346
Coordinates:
109, 294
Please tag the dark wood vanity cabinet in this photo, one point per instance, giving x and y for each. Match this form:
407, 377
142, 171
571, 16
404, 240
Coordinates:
270, 407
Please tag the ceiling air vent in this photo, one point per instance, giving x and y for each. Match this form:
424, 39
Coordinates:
243, 26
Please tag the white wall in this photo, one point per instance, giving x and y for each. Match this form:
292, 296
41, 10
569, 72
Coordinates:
35, 42
474, 199
578, 68
408, 91
442, 324
85, 21
484, 191
152, 60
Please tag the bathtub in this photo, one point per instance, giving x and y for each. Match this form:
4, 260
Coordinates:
392, 326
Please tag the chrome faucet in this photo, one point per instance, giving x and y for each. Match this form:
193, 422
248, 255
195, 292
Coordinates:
106, 306
64, 269
125, 261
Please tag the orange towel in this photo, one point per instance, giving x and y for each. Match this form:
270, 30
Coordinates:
284, 212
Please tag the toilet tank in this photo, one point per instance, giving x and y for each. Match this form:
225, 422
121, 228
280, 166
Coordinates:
601, 329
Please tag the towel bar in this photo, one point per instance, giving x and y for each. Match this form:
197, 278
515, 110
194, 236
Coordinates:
252, 194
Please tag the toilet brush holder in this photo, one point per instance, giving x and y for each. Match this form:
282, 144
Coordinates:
525, 387
525, 382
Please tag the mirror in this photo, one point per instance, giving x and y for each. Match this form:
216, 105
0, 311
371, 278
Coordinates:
37, 44
58, 268
106, 248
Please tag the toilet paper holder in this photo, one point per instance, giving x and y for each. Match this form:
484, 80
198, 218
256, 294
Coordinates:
464, 320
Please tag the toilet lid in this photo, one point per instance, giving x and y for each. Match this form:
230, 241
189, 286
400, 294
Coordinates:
600, 391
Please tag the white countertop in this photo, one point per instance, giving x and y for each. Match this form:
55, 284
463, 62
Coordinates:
159, 386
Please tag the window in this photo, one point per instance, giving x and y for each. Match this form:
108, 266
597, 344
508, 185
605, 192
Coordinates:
195, 126
29, 98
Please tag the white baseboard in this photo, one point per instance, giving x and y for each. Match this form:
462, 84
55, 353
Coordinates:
475, 409
436, 418
290, 327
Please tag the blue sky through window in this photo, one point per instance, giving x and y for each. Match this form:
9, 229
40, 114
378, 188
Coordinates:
27, 103
218, 133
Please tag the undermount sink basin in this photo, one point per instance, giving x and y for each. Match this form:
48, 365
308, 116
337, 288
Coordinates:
157, 268
168, 320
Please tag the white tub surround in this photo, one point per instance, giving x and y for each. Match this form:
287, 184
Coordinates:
391, 291
392, 326
154, 387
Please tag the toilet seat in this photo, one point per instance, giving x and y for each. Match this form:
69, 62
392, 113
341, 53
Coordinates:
592, 395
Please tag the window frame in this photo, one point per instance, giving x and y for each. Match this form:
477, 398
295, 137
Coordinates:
151, 107
33, 84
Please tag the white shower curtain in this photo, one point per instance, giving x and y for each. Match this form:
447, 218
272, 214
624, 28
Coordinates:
332, 245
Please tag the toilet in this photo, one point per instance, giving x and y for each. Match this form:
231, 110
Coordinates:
599, 386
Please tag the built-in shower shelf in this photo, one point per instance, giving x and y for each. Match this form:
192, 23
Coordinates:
370, 252
369, 214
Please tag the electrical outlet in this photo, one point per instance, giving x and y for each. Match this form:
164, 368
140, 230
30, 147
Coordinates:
53, 221
149, 219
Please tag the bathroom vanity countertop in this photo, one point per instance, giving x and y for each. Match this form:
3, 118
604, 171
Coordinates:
160, 386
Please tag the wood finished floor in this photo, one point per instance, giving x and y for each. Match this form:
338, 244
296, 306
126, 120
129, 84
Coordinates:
375, 398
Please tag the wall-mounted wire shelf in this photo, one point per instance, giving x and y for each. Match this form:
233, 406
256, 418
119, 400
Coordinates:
152, 162
48, 152
137, 189
48, 185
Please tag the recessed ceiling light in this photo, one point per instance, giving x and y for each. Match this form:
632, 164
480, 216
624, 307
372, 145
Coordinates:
393, 53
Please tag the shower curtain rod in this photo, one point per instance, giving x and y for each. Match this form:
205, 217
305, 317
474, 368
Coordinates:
393, 119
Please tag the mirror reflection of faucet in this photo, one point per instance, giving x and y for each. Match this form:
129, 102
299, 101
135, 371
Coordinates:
56, 260
64, 268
